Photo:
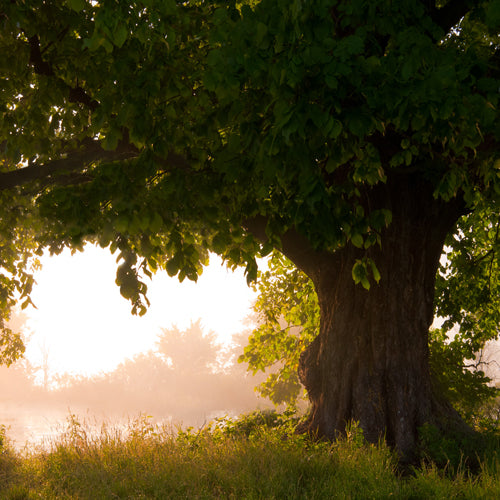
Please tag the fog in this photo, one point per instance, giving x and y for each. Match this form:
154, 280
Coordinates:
79, 307
188, 379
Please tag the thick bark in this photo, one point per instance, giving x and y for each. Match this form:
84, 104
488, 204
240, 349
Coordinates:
370, 362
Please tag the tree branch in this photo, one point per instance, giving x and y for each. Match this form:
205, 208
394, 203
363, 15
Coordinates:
70, 166
293, 245
40, 66
74, 161
69, 169
76, 94
173, 160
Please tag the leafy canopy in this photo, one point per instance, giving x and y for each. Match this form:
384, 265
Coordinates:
163, 130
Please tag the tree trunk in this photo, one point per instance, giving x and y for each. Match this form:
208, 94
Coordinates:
370, 361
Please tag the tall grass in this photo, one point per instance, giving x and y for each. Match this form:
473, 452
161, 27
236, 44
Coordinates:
256, 457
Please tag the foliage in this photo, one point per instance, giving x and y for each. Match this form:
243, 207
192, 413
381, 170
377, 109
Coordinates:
254, 422
279, 110
468, 284
151, 461
2, 437
488, 418
288, 313
468, 298
8, 459
457, 451
287, 307
463, 384
18, 227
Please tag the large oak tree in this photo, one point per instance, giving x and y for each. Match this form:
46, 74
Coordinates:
351, 135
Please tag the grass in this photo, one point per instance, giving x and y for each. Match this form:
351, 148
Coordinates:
256, 457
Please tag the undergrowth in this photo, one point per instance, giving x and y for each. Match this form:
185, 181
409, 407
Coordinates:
257, 456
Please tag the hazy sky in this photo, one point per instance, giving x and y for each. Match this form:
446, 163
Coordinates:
86, 326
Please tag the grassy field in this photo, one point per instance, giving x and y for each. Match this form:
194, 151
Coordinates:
256, 457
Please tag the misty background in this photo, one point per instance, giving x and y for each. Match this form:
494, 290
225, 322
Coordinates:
187, 379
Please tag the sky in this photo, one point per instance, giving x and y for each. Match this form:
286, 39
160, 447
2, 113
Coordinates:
85, 326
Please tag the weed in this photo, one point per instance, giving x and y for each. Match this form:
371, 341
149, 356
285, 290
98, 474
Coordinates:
256, 457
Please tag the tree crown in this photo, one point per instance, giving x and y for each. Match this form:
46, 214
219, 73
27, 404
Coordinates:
166, 129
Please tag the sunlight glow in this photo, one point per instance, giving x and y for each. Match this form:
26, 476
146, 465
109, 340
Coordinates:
84, 326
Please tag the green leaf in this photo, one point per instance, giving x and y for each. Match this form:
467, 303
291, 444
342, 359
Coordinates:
111, 140
122, 224
76, 5
128, 291
365, 283
360, 274
251, 272
260, 33
375, 271
95, 41
357, 240
220, 242
493, 14
358, 271
358, 123
349, 46
120, 34
156, 223
172, 267
335, 129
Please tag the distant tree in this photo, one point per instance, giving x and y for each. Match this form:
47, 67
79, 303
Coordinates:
191, 350
188, 377
45, 365
17, 376
351, 136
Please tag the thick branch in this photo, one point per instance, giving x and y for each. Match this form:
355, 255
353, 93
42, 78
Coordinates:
70, 168
74, 161
78, 95
173, 160
293, 245
257, 226
40, 66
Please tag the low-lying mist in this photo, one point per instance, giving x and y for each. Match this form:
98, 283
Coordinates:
188, 379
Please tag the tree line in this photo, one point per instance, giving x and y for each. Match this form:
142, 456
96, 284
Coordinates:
189, 378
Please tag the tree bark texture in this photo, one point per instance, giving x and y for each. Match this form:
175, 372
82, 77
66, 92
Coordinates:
370, 361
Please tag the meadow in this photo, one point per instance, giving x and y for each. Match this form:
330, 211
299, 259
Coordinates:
254, 457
